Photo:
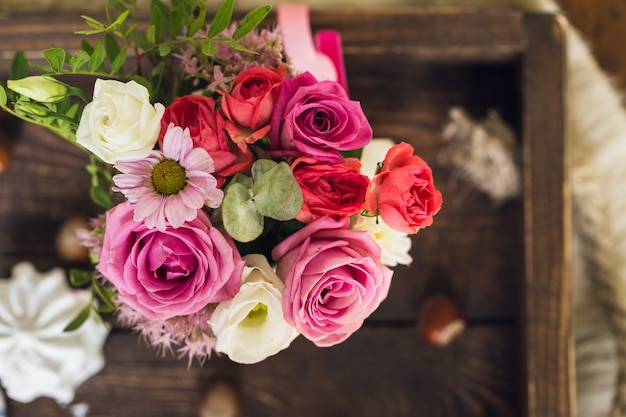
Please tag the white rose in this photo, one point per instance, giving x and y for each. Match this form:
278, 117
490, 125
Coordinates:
250, 327
394, 245
119, 123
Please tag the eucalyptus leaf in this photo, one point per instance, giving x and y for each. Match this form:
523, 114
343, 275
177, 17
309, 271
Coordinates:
55, 57
277, 194
80, 319
251, 21
222, 18
261, 166
79, 277
242, 220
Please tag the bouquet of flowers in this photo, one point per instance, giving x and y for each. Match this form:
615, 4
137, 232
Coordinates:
236, 216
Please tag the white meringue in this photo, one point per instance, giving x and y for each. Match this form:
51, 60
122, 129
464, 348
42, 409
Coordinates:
38, 358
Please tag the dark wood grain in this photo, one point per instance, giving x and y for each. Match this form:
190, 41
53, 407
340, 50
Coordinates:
507, 265
546, 313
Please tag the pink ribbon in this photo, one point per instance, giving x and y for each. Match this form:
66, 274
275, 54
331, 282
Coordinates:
322, 56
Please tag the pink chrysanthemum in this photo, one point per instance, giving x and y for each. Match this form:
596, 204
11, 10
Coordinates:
169, 186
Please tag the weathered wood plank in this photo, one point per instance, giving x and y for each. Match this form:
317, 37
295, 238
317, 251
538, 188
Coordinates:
547, 224
378, 372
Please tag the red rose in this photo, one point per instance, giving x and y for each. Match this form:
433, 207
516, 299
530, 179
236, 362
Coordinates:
249, 105
329, 190
206, 127
404, 192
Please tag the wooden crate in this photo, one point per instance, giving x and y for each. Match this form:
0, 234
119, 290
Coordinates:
507, 265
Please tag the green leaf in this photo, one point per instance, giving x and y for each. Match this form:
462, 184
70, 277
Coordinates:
78, 60
97, 58
118, 5
79, 277
119, 61
19, 66
94, 23
150, 34
140, 40
111, 47
196, 21
3, 96
222, 18
241, 48
121, 18
250, 21
261, 166
105, 308
164, 49
55, 57
101, 197
277, 193
242, 220
208, 48
79, 320
159, 16
86, 46
178, 18
103, 293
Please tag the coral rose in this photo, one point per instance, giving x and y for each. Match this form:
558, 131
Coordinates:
249, 104
329, 190
404, 193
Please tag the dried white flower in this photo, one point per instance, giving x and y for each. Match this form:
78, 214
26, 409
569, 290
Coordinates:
483, 153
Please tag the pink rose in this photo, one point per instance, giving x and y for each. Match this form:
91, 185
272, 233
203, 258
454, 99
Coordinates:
404, 192
206, 128
249, 105
316, 119
330, 190
171, 273
333, 279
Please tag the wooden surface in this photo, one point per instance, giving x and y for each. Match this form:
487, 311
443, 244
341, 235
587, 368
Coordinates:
603, 24
506, 265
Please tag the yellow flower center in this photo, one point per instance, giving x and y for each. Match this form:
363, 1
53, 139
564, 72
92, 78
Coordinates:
256, 316
168, 177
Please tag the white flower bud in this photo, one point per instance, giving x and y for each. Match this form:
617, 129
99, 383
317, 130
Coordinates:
41, 88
